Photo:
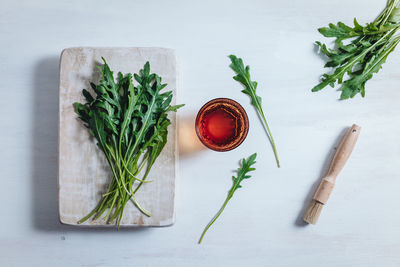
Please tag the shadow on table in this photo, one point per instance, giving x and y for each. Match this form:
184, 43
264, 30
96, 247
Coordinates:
324, 170
44, 152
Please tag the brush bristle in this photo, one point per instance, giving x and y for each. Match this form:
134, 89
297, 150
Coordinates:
313, 212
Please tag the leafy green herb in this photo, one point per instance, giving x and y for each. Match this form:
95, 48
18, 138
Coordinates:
364, 53
242, 173
130, 125
243, 76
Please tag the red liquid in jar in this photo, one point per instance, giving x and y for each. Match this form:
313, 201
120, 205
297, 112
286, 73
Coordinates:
219, 126
222, 124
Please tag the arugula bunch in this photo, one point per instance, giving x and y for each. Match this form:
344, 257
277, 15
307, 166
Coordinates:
366, 49
243, 76
242, 173
130, 124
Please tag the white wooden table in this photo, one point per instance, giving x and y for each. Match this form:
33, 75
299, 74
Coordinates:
360, 225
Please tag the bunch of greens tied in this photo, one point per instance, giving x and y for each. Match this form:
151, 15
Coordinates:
359, 51
130, 125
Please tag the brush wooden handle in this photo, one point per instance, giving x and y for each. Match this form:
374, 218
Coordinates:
339, 160
344, 151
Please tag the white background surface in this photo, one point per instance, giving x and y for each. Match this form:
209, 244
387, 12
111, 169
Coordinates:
261, 226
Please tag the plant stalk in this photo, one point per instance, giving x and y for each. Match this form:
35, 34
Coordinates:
216, 216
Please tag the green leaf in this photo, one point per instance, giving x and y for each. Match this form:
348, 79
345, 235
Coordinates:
243, 77
87, 96
130, 124
357, 26
362, 56
175, 107
340, 30
242, 173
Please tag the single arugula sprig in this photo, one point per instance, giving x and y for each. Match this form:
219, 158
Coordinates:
364, 55
242, 173
243, 76
130, 124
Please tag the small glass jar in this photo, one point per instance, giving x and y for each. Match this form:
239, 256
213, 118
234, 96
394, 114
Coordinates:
222, 124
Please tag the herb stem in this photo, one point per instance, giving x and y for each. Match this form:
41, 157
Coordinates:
111, 207
215, 217
260, 111
243, 76
130, 124
356, 61
242, 173
271, 139
345, 68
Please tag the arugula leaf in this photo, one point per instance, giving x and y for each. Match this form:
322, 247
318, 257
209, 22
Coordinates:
243, 77
130, 124
368, 49
242, 174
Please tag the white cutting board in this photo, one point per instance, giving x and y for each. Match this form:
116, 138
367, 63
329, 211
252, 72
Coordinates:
83, 172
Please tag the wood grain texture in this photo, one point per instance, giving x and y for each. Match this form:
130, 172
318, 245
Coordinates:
344, 151
83, 171
339, 160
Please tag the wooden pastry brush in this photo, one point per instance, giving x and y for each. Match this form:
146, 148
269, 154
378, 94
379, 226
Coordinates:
328, 182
